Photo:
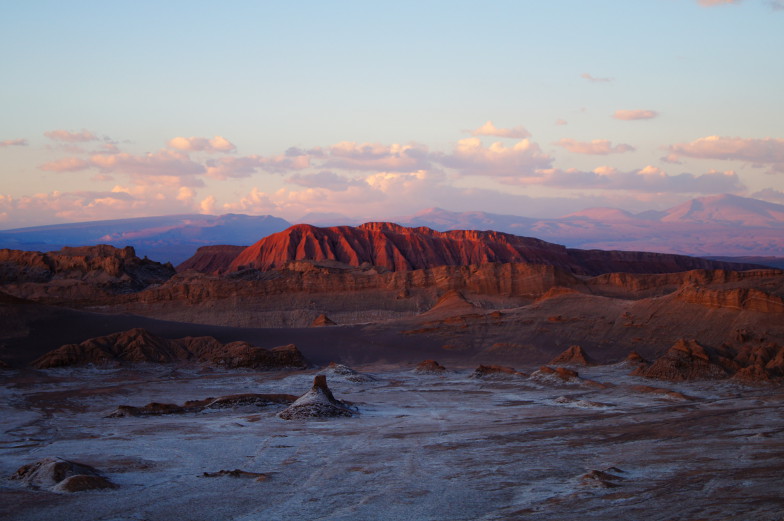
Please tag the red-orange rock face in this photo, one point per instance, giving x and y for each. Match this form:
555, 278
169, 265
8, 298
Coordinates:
398, 248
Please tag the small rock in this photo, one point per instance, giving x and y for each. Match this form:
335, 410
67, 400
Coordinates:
430, 367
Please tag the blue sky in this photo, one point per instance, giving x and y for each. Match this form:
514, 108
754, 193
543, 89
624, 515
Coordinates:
378, 109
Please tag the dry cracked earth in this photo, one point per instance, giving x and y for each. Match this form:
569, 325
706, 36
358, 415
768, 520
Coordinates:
425, 447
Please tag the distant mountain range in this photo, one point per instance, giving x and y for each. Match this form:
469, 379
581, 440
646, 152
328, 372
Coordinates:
714, 226
171, 238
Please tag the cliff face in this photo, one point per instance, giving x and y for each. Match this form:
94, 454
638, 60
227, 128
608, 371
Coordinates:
397, 248
115, 270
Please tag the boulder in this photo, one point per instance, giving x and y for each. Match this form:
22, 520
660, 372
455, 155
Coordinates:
61, 475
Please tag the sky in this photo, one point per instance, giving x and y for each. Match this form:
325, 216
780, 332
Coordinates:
382, 109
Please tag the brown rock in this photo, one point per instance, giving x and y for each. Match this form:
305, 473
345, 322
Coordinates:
634, 358
561, 373
61, 475
322, 320
574, 355
429, 367
686, 360
495, 371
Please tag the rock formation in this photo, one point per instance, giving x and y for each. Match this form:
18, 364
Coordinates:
60, 475
574, 355
686, 360
430, 367
495, 371
322, 320
397, 248
317, 403
555, 375
138, 345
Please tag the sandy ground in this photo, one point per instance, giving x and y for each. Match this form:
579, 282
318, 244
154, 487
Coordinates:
423, 447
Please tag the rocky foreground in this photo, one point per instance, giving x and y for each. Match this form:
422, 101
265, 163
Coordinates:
426, 446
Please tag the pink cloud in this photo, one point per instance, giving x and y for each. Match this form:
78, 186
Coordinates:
13, 143
630, 115
765, 151
66, 164
561, 122
488, 129
590, 78
162, 165
71, 137
202, 144
471, 157
595, 147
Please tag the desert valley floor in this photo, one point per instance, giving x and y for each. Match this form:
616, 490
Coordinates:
424, 446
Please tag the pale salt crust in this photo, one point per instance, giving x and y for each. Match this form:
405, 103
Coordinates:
423, 447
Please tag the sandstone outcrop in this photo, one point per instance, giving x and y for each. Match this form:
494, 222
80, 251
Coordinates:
761, 363
138, 345
60, 475
547, 374
322, 320
574, 355
430, 367
317, 403
397, 248
687, 360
